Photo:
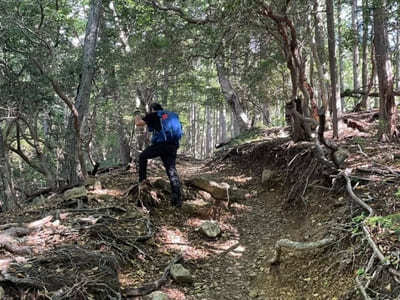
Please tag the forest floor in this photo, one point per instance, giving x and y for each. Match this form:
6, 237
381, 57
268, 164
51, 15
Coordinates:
102, 244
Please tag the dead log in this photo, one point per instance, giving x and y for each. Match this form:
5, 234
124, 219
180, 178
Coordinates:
359, 125
370, 116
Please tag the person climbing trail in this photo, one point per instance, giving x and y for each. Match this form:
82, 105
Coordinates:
167, 132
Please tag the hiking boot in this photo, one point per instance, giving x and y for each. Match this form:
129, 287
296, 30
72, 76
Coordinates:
177, 204
176, 201
144, 183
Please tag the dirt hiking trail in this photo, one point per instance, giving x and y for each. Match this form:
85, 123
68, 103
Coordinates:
99, 242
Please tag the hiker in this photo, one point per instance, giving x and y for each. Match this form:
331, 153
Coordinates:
167, 131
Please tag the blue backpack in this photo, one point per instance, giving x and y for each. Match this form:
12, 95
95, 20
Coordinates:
171, 128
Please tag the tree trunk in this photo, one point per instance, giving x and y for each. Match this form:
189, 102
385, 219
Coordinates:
145, 95
198, 125
356, 55
397, 77
73, 142
340, 53
194, 130
364, 71
208, 132
222, 124
124, 150
266, 114
320, 56
235, 126
231, 96
335, 98
294, 60
387, 106
164, 97
9, 198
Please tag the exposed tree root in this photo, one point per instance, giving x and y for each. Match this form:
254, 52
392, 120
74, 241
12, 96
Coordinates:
155, 285
285, 243
385, 263
9, 237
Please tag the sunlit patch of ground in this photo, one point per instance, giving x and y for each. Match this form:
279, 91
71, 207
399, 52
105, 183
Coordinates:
240, 179
174, 239
174, 294
109, 192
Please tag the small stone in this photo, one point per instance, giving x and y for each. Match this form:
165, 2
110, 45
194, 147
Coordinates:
75, 193
211, 229
157, 296
253, 293
97, 185
267, 175
180, 274
56, 223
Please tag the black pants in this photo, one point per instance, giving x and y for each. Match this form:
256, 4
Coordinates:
167, 153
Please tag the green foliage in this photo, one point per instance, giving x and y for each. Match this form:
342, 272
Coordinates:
391, 222
360, 272
357, 223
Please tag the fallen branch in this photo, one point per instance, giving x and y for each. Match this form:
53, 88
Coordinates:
155, 285
362, 289
361, 151
285, 243
353, 196
377, 252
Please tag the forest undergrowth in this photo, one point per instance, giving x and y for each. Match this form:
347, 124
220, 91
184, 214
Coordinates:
304, 229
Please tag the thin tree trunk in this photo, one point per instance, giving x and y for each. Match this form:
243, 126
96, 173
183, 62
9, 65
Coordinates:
194, 132
164, 99
387, 106
356, 55
340, 53
208, 132
266, 114
231, 96
336, 104
9, 199
397, 77
364, 71
73, 143
222, 124
320, 57
198, 144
